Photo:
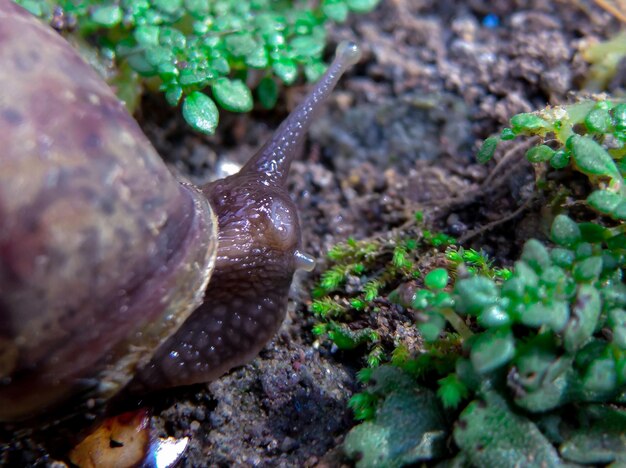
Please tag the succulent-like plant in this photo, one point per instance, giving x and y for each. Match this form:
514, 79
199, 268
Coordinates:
188, 47
511, 350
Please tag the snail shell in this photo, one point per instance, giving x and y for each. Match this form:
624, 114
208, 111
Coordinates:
105, 256
99, 244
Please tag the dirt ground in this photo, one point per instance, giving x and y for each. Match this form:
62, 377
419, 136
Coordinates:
398, 135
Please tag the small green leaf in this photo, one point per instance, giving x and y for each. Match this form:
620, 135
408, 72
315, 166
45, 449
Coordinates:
285, 69
314, 70
530, 123
399, 258
258, 58
436, 279
604, 201
200, 112
475, 294
560, 159
267, 92
147, 35
167, 71
526, 275
357, 304
240, 44
536, 255
194, 77
306, 47
487, 150
601, 376
617, 242
107, 15
326, 307
619, 114
200, 28
589, 269
598, 120
332, 278
592, 232
173, 95
507, 134
422, 299
562, 257
592, 159
198, 8
172, 38
232, 95
345, 338
552, 276
583, 250
494, 317
141, 65
553, 314
362, 6
442, 300
540, 153
168, 6
565, 232
159, 55
432, 328
492, 349
220, 65
337, 10
620, 211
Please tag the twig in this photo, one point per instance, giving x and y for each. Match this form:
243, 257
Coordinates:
618, 11
488, 184
497, 222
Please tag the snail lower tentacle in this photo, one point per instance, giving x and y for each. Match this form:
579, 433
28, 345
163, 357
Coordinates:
111, 269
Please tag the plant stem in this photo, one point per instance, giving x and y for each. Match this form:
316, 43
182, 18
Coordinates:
457, 323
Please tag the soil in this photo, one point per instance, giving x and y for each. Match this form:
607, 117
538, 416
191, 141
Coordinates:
399, 135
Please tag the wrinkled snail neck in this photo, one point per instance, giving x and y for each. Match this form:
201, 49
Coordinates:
272, 162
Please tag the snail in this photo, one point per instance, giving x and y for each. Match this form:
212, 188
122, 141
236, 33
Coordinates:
115, 273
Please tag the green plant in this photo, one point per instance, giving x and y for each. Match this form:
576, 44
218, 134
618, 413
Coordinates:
604, 58
185, 47
508, 352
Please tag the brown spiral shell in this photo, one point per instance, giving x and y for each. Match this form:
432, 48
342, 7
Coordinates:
95, 229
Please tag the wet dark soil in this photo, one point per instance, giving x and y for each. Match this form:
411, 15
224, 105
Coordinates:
398, 136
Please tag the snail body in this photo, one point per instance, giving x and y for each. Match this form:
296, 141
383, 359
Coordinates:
114, 273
